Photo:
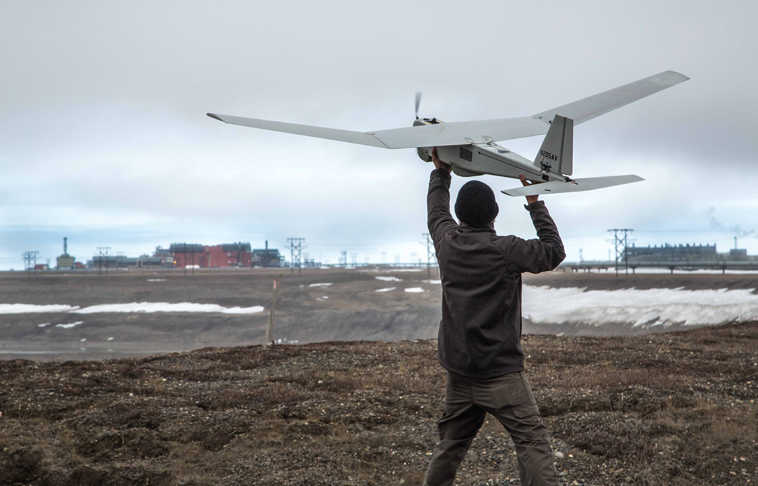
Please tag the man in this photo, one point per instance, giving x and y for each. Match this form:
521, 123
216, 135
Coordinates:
480, 332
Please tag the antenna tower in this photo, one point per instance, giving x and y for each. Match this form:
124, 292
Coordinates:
429, 253
30, 259
296, 244
620, 242
103, 252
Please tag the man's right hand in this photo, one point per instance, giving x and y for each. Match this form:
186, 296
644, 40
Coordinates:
438, 164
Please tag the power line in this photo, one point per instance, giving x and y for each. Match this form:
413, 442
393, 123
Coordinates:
30, 259
296, 244
429, 253
103, 252
620, 242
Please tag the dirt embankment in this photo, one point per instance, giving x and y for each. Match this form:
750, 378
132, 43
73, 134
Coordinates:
676, 408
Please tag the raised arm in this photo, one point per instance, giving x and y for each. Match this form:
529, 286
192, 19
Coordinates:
541, 254
438, 200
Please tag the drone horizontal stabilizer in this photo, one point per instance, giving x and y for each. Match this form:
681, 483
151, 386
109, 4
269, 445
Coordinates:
576, 185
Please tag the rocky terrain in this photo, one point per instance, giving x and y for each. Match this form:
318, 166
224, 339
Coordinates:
661, 409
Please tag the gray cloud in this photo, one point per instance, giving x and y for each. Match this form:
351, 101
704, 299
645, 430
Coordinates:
102, 125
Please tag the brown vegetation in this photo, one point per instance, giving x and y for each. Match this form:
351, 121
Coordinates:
676, 408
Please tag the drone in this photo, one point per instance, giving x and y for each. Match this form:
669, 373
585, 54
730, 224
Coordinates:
469, 147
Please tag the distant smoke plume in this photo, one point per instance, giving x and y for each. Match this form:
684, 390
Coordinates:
735, 230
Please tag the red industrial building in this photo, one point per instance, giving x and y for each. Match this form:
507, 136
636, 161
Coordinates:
225, 255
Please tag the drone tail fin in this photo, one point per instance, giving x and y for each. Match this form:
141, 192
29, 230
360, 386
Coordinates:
557, 150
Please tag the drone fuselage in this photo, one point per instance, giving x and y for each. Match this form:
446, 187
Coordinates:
484, 158
480, 159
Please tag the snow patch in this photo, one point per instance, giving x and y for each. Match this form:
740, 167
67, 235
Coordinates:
648, 308
324, 284
678, 271
44, 324
414, 290
69, 325
128, 307
433, 282
386, 289
149, 307
156, 280
388, 279
34, 309
286, 341
390, 268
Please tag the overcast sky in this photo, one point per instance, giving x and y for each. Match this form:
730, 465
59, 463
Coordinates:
104, 138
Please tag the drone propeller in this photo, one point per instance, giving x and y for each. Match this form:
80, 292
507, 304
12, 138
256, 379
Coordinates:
418, 102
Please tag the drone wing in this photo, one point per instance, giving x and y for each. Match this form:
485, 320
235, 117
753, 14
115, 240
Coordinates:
307, 130
461, 133
576, 185
439, 135
478, 131
596, 105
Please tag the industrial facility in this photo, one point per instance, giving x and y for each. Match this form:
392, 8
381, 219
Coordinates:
683, 254
267, 257
101, 262
224, 255
194, 255
686, 257
65, 261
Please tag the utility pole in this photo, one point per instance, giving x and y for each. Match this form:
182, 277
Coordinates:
429, 254
343, 258
269, 328
103, 252
296, 244
620, 242
30, 259
193, 260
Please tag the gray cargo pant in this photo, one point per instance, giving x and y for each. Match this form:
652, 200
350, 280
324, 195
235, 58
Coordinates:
509, 398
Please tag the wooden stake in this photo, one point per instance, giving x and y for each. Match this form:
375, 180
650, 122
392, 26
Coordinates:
270, 326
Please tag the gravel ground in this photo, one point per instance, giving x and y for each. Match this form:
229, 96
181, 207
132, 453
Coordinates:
669, 409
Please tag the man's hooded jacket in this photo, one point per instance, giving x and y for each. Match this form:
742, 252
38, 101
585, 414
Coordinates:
480, 332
